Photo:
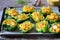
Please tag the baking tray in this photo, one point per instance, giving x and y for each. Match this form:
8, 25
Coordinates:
55, 9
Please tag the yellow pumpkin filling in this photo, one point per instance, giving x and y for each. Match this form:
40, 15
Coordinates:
46, 10
28, 8
56, 28
37, 16
22, 16
12, 12
41, 24
25, 26
52, 16
9, 22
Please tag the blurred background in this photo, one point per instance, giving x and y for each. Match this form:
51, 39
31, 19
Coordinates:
15, 3
18, 3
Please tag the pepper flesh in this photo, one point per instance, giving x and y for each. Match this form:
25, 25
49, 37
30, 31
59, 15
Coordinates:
9, 24
55, 28
11, 13
22, 17
25, 26
42, 26
53, 17
46, 10
28, 8
36, 16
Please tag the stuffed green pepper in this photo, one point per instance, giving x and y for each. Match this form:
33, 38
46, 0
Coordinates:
11, 13
55, 28
53, 17
37, 16
25, 26
22, 17
28, 9
42, 26
45, 10
9, 24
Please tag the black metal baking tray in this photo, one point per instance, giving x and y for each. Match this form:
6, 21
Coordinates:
55, 9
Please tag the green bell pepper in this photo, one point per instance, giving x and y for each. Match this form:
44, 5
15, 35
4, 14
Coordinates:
9, 24
45, 11
37, 16
25, 27
53, 17
55, 28
28, 9
42, 26
22, 17
11, 13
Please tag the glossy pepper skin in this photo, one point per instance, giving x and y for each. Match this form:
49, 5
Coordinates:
22, 17
55, 28
25, 27
9, 24
53, 17
42, 26
11, 13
